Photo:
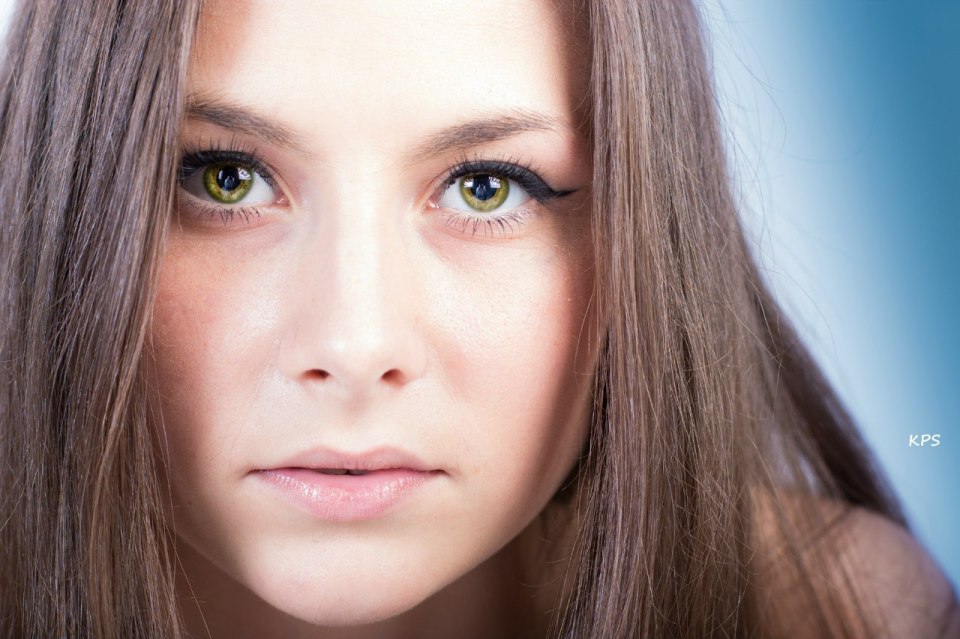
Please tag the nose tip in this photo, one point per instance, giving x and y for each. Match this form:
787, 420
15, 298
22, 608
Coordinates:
352, 347
358, 370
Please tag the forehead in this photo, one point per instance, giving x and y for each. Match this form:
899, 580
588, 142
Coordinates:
390, 68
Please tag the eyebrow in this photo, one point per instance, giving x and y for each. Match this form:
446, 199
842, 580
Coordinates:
247, 121
242, 119
482, 131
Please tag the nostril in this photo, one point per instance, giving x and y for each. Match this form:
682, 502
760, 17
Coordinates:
393, 376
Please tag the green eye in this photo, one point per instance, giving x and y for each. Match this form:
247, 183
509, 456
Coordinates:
227, 182
483, 192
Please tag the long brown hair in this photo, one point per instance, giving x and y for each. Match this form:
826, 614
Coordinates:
706, 402
89, 113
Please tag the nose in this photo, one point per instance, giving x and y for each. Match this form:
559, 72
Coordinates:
354, 326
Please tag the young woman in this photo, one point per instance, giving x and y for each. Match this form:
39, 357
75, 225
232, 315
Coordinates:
420, 319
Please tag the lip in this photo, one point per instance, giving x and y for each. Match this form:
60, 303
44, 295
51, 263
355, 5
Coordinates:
392, 476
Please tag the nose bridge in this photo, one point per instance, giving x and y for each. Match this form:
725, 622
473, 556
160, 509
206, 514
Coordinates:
355, 328
361, 242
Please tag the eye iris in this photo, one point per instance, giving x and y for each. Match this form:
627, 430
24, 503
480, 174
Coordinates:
227, 183
484, 192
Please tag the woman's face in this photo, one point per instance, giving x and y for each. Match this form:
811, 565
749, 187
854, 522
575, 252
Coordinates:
397, 281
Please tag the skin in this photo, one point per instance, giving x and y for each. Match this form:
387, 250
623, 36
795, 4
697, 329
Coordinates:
350, 311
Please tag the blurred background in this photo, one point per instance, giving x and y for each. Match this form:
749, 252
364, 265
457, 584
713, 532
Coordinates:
845, 138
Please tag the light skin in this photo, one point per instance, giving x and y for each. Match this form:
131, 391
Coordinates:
359, 301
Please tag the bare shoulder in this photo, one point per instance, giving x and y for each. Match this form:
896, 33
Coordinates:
878, 578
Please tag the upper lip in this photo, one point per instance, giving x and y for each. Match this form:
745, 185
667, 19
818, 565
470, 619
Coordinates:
381, 458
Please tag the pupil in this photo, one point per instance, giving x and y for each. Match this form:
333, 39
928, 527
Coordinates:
229, 178
484, 187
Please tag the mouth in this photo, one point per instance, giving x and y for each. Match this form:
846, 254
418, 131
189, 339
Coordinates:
336, 487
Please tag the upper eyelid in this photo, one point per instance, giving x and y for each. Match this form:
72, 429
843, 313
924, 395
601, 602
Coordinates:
465, 164
241, 156
527, 176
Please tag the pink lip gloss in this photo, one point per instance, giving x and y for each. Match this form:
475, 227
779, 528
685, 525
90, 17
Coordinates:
345, 497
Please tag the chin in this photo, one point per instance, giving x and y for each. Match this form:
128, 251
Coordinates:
349, 602
362, 614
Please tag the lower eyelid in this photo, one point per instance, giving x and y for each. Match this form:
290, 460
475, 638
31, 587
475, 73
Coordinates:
490, 226
204, 211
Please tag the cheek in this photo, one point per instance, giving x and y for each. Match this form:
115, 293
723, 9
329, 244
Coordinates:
213, 337
515, 356
518, 355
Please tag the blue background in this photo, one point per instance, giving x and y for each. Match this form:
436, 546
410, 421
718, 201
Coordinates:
844, 128
843, 117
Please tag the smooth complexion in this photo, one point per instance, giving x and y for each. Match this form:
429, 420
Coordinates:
355, 303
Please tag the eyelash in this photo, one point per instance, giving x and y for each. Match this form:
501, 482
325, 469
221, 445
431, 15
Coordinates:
513, 169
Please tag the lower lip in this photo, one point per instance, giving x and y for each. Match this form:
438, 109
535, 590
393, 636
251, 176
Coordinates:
346, 497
